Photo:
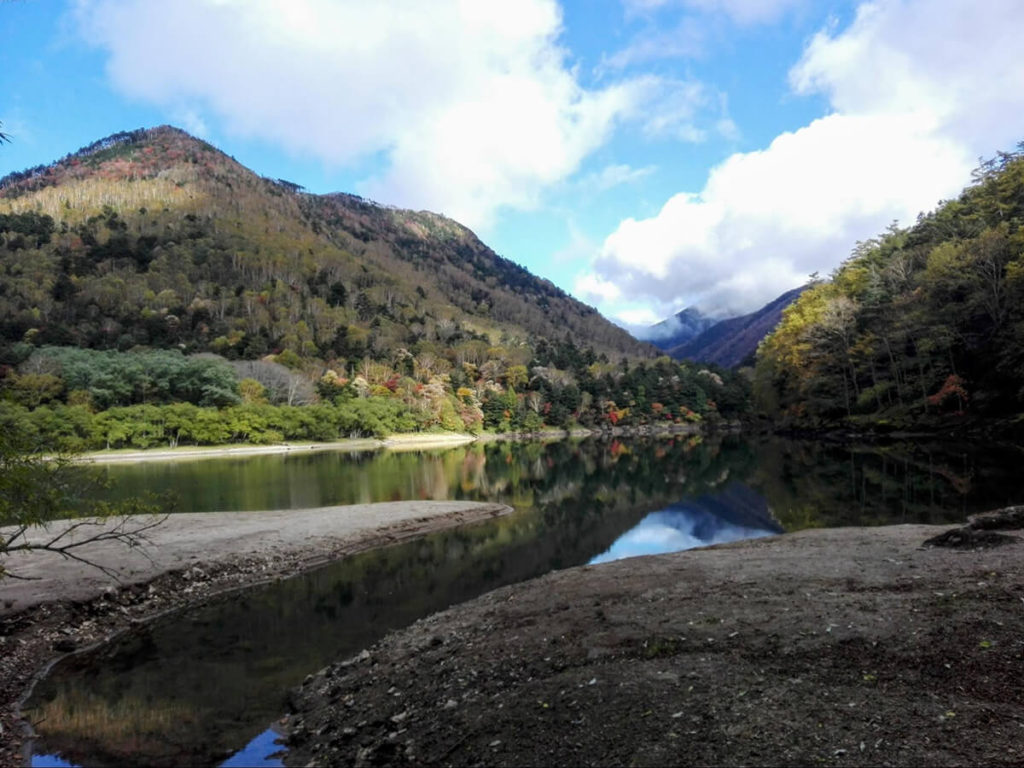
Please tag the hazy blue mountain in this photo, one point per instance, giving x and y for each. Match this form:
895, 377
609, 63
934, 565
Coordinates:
729, 342
678, 329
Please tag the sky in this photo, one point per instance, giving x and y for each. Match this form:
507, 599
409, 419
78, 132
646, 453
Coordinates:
643, 155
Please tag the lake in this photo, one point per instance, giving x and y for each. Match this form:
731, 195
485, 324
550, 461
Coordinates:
207, 686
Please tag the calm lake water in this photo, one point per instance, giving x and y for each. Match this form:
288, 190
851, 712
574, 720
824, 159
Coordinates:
207, 686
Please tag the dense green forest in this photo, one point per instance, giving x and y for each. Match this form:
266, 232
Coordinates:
922, 326
155, 292
69, 398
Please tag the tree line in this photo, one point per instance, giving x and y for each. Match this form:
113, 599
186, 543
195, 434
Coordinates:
74, 399
921, 325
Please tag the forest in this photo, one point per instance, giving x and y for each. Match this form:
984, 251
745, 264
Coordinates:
922, 327
70, 399
156, 239
155, 292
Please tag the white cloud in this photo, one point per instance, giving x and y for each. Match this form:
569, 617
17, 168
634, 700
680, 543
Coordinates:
641, 317
193, 122
614, 175
674, 114
590, 287
747, 11
686, 40
739, 11
953, 64
470, 106
912, 113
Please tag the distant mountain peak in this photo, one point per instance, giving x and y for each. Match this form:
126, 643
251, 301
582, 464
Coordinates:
731, 341
678, 329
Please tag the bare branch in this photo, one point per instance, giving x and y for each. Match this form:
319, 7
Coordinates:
127, 530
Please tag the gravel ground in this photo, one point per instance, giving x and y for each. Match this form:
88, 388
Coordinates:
839, 647
189, 558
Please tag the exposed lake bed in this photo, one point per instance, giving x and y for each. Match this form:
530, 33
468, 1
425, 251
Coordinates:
840, 646
91, 608
596, 495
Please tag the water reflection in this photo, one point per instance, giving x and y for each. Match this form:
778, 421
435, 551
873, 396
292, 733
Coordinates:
203, 687
733, 514
196, 688
813, 485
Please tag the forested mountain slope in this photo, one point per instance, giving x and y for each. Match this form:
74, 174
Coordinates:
921, 325
730, 342
154, 238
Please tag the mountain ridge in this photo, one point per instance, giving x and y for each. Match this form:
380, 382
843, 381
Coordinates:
734, 340
221, 259
678, 329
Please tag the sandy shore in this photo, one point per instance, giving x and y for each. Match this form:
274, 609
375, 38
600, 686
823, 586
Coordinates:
399, 442
394, 442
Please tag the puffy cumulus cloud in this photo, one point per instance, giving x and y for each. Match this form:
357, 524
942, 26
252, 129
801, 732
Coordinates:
911, 114
953, 64
590, 287
466, 106
765, 220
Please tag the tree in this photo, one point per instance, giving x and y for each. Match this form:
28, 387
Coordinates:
41, 508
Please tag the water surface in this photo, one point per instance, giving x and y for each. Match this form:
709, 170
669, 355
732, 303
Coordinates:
207, 686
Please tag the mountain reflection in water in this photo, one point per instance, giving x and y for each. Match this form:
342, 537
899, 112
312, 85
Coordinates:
197, 687
734, 513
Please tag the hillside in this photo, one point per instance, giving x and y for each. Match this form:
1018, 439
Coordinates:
155, 292
154, 238
920, 326
678, 329
730, 342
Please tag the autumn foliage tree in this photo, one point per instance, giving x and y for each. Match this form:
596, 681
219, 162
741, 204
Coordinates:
911, 317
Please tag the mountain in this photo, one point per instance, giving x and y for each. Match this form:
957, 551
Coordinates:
154, 238
678, 329
729, 342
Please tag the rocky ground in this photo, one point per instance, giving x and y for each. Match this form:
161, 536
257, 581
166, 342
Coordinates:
839, 647
71, 606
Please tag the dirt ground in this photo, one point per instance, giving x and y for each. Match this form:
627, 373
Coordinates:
828, 647
190, 558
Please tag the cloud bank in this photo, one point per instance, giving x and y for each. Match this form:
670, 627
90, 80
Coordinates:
918, 90
453, 105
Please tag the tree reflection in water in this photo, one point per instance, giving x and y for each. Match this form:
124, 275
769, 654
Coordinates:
198, 687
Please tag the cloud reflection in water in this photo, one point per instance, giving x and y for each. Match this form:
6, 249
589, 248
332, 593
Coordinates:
737, 513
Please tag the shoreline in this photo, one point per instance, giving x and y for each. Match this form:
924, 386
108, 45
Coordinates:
242, 550
842, 646
411, 441
746, 617
393, 442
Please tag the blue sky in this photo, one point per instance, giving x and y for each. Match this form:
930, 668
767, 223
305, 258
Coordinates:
645, 155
